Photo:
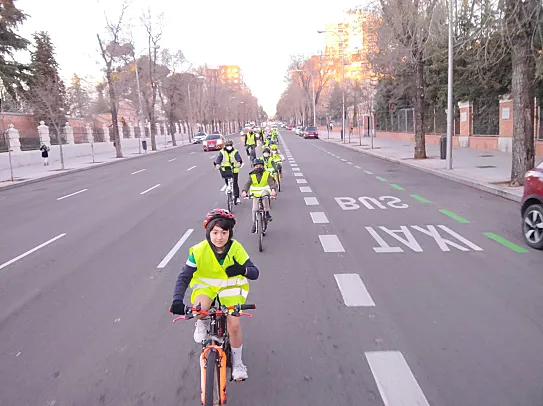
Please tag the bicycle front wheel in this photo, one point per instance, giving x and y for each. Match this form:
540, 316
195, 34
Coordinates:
213, 384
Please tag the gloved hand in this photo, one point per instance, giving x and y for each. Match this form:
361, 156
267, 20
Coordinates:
235, 269
177, 307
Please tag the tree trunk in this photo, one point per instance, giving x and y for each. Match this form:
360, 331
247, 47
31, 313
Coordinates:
522, 90
114, 121
420, 141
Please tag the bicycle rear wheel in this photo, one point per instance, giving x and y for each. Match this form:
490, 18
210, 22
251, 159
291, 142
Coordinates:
212, 391
229, 201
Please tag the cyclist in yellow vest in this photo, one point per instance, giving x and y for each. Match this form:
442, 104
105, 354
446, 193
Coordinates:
230, 158
250, 141
277, 158
220, 267
260, 183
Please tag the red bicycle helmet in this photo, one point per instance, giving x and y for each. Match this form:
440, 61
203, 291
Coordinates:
219, 213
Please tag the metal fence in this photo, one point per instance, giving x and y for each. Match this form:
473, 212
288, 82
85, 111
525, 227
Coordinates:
486, 117
403, 120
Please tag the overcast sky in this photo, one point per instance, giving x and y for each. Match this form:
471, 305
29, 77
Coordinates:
257, 37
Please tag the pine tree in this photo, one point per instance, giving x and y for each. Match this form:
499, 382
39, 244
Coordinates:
47, 92
78, 98
12, 74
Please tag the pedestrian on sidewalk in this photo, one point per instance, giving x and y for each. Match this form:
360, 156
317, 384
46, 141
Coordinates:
45, 154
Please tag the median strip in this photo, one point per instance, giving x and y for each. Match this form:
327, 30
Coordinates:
454, 216
397, 187
420, 199
506, 243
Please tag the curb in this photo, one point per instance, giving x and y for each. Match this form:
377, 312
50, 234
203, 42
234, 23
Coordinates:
455, 178
96, 165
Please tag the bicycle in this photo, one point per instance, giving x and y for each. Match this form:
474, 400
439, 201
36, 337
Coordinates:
216, 356
260, 220
251, 152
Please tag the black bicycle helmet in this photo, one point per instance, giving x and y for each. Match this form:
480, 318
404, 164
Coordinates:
258, 161
229, 143
266, 149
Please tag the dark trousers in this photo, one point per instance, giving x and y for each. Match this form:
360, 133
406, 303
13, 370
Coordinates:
236, 186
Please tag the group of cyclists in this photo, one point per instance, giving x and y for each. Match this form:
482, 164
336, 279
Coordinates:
219, 267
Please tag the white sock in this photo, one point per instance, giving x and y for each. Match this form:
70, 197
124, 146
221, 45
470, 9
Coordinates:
236, 355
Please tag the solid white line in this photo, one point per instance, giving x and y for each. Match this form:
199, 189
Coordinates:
191, 168
72, 194
368, 172
305, 189
301, 181
319, 217
331, 243
148, 190
394, 379
223, 187
173, 159
298, 174
175, 248
311, 201
357, 167
295, 169
11, 261
353, 290
141, 170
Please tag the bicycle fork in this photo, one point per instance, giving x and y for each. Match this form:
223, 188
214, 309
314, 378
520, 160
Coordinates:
221, 361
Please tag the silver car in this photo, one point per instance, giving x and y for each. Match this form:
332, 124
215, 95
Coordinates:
198, 138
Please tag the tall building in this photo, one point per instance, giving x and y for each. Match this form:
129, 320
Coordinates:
230, 74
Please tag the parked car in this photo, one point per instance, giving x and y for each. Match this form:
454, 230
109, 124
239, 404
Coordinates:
532, 208
290, 127
310, 132
213, 142
298, 130
198, 138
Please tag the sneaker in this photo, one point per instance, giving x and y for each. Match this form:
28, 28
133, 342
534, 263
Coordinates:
239, 372
201, 330
253, 228
238, 201
269, 217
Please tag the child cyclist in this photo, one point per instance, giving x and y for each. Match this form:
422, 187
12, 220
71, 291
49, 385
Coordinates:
217, 266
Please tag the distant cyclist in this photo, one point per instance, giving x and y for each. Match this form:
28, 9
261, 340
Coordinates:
250, 144
260, 184
229, 159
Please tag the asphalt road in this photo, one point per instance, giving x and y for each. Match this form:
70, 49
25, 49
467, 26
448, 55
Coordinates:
401, 300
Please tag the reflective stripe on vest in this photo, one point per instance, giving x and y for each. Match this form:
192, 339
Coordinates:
210, 274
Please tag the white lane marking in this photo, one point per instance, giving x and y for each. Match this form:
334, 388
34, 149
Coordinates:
295, 169
173, 159
353, 290
357, 167
298, 174
319, 217
175, 248
301, 181
343, 159
350, 163
191, 168
311, 201
331, 243
212, 157
192, 152
305, 189
11, 261
294, 165
394, 379
223, 187
72, 194
141, 170
148, 190
368, 172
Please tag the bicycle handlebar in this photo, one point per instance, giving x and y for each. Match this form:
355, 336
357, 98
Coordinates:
235, 311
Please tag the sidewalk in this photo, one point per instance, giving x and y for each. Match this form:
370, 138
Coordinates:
28, 173
486, 170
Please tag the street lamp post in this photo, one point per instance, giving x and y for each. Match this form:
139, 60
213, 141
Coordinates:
342, 79
313, 82
190, 106
450, 90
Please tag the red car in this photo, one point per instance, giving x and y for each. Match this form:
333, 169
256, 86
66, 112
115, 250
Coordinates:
290, 127
310, 132
532, 208
213, 142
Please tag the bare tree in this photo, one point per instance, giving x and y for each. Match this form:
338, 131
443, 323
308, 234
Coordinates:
110, 53
154, 35
411, 24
